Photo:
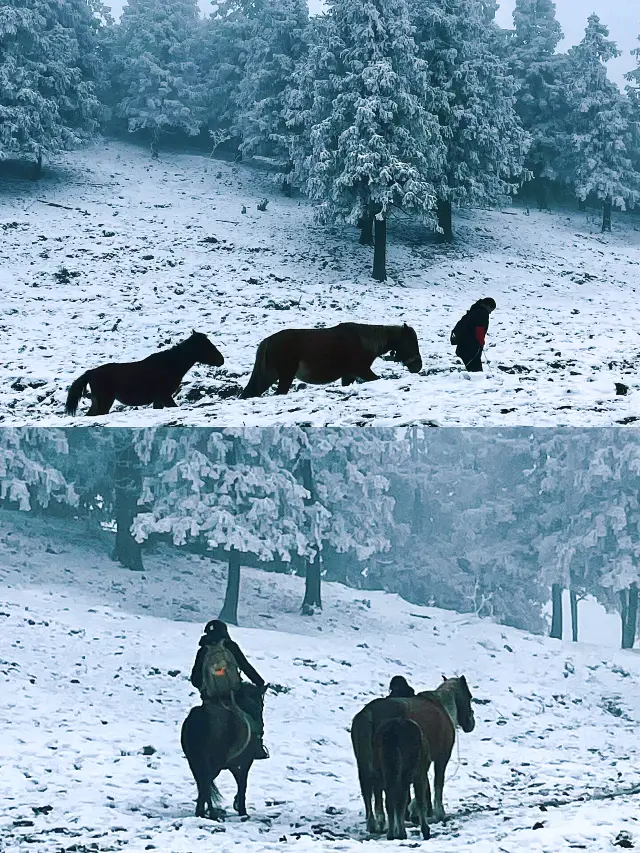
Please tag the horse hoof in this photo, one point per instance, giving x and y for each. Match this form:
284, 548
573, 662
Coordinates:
426, 832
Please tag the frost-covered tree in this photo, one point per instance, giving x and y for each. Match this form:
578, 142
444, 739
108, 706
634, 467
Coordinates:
485, 143
223, 54
223, 488
49, 64
374, 136
541, 76
157, 83
274, 51
599, 161
31, 468
633, 93
613, 536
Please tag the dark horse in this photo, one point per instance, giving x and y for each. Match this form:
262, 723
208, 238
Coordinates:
219, 736
400, 759
437, 713
155, 379
319, 356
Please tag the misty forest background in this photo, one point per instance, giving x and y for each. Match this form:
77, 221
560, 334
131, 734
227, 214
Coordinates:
470, 520
418, 106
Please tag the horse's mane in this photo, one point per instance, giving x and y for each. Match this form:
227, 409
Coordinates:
377, 339
445, 694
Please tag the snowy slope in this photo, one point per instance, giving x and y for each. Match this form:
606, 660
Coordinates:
95, 659
153, 250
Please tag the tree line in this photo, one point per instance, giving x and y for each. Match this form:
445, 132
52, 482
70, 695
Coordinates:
417, 106
475, 521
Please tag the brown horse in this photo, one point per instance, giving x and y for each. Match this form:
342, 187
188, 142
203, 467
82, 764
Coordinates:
219, 736
400, 759
437, 713
154, 380
320, 356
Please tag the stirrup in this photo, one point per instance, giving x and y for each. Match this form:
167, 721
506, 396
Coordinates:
261, 752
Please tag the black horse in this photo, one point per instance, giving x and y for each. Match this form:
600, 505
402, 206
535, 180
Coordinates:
154, 380
320, 356
219, 736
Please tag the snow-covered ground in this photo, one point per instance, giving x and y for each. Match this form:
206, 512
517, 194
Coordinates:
94, 662
154, 249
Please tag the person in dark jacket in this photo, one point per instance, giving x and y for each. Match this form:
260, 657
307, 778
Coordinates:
470, 332
399, 688
245, 696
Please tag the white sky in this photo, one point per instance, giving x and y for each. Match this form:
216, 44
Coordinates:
621, 16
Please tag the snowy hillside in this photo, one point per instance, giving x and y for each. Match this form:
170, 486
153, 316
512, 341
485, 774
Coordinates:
137, 253
95, 659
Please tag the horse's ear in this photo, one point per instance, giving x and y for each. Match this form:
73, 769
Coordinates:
444, 677
463, 681
193, 332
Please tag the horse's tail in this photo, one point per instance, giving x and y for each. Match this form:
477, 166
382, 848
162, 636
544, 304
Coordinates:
258, 382
362, 742
216, 796
400, 746
76, 390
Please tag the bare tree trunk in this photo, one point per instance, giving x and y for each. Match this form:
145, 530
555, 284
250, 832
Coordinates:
127, 483
541, 193
445, 220
366, 230
313, 568
573, 596
380, 250
624, 609
37, 168
313, 586
606, 215
556, 612
229, 612
630, 616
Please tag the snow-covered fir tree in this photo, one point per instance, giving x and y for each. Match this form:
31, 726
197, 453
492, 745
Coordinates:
32, 463
485, 143
157, 83
599, 161
542, 80
223, 54
49, 64
633, 93
274, 51
374, 135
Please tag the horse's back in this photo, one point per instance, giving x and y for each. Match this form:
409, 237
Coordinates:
429, 713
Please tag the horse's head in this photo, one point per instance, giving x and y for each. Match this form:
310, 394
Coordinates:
406, 349
464, 707
204, 351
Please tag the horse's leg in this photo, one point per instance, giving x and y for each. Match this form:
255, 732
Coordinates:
421, 787
285, 379
427, 790
390, 807
101, 403
438, 785
366, 787
241, 775
379, 819
367, 375
165, 403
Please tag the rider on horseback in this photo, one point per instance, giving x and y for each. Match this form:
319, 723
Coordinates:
226, 677
399, 688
